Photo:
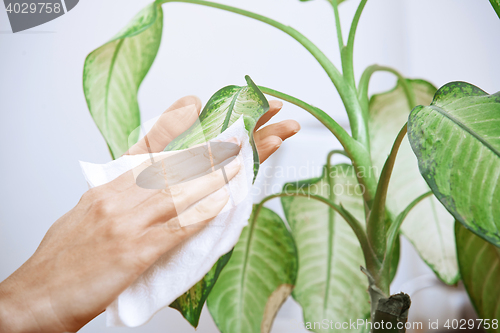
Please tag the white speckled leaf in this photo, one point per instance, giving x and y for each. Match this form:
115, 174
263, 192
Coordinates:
113, 73
329, 283
429, 226
257, 279
480, 270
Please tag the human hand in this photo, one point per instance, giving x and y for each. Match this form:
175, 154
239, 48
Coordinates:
186, 111
116, 231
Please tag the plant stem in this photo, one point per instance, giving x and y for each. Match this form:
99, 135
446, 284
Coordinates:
376, 224
333, 152
351, 221
331, 219
353, 106
337, 23
359, 156
374, 291
340, 133
357, 120
347, 59
364, 82
393, 311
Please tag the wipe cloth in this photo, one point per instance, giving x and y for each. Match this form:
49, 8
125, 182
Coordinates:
178, 270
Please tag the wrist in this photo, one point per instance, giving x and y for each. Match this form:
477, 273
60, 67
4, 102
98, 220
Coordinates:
12, 317
24, 308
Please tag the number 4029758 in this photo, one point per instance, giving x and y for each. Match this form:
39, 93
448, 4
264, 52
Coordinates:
462, 324
40, 7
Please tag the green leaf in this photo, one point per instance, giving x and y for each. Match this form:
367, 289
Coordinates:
222, 110
457, 142
112, 76
329, 282
225, 107
496, 6
258, 278
191, 303
429, 227
479, 263
113, 73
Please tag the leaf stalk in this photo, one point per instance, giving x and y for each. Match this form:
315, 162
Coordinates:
350, 219
377, 218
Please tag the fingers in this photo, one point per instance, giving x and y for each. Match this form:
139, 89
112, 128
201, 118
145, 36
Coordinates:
171, 169
174, 121
171, 233
185, 101
204, 210
284, 129
190, 192
181, 166
166, 204
267, 146
210, 157
170, 195
274, 108
269, 139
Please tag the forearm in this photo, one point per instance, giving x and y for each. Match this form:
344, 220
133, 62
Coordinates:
25, 307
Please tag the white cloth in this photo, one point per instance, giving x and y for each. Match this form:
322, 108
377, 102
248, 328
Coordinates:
181, 268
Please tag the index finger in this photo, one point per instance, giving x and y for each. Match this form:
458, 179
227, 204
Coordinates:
174, 121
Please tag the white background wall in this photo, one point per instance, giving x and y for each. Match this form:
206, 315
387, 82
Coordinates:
45, 127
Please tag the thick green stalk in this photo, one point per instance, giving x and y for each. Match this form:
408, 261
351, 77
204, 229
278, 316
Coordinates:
377, 220
340, 39
359, 156
348, 53
357, 120
340, 133
354, 106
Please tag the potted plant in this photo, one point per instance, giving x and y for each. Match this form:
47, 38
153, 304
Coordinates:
424, 163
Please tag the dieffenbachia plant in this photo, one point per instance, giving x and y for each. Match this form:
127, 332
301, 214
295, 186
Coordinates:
438, 186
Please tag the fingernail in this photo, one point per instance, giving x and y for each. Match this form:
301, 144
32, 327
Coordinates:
279, 144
